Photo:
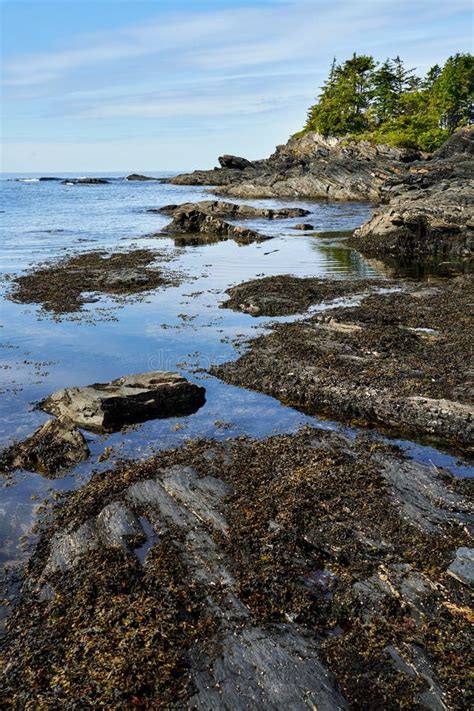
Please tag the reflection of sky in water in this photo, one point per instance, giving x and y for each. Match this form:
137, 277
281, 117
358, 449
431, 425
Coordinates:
149, 334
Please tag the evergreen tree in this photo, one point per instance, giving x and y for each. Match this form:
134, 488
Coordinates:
385, 97
453, 92
390, 104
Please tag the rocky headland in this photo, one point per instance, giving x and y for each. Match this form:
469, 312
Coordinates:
427, 200
429, 213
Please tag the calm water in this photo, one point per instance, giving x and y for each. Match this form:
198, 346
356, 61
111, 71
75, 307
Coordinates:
179, 328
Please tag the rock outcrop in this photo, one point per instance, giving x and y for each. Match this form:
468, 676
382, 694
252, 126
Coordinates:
309, 166
202, 226
231, 210
430, 210
134, 398
52, 449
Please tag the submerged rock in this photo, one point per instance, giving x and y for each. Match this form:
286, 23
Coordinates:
51, 449
130, 399
61, 287
304, 226
198, 222
220, 208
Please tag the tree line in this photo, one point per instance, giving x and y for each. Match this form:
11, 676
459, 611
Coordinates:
388, 103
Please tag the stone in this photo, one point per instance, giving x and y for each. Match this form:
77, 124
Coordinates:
138, 177
51, 449
85, 181
303, 226
197, 222
234, 162
127, 400
429, 215
310, 166
462, 567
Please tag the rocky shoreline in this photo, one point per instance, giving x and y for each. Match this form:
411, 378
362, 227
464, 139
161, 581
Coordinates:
215, 572
429, 198
306, 570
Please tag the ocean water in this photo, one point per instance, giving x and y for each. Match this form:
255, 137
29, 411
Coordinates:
177, 328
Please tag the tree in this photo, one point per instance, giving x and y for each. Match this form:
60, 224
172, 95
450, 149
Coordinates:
344, 99
390, 104
453, 92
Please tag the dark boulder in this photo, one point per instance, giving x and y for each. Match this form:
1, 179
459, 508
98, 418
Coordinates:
234, 162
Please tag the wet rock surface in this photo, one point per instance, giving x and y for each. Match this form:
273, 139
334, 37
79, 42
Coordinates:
399, 361
61, 287
232, 210
127, 400
287, 294
310, 166
196, 223
246, 598
430, 213
52, 449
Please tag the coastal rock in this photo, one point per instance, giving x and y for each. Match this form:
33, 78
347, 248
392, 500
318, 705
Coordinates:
234, 211
310, 166
51, 449
85, 181
287, 294
400, 360
61, 287
197, 222
234, 162
138, 177
430, 214
303, 226
127, 400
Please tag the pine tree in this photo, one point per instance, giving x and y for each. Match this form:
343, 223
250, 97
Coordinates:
453, 92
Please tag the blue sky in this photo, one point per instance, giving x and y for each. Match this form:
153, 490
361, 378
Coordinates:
137, 85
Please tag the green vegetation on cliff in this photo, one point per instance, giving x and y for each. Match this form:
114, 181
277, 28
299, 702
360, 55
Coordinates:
388, 103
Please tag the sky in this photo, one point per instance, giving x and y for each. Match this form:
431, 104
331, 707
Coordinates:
147, 85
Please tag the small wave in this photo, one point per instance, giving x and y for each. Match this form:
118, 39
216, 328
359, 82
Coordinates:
27, 180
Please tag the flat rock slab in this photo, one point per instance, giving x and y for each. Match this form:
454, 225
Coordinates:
133, 398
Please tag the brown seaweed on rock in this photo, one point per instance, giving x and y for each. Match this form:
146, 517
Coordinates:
300, 558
